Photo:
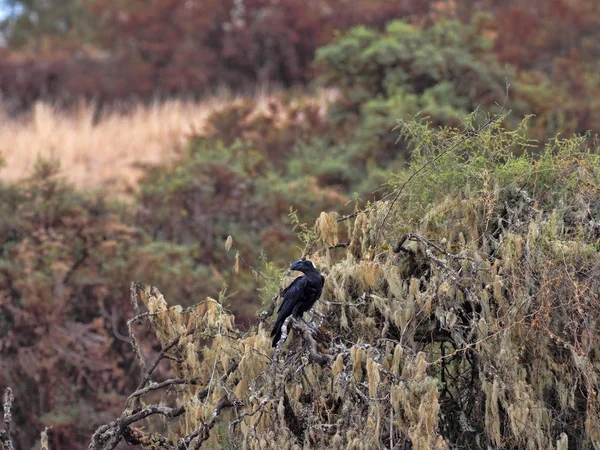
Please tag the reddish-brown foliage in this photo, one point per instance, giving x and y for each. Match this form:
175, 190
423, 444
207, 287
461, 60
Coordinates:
60, 321
179, 47
560, 38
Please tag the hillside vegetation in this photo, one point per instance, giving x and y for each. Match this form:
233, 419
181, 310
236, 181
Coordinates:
107, 51
460, 252
461, 313
111, 153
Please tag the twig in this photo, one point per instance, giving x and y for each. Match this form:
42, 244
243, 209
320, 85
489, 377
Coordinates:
108, 436
5, 438
203, 432
350, 216
134, 297
471, 345
415, 237
442, 264
284, 334
163, 384
136, 348
204, 393
340, 245
468, 135
250, 267
269, 312
259, 408
75, 266
161, 355
44, 439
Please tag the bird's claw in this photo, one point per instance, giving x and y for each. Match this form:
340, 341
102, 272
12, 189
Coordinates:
311, 326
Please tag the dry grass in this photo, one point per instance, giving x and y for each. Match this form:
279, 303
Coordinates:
109, 153
104, 155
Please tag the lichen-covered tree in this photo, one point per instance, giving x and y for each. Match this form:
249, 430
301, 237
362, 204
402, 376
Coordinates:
460, 311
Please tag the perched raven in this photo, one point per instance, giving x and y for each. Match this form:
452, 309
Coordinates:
299, 296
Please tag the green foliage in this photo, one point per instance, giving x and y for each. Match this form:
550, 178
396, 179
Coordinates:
442, 72
169, 47
271, 275
305, 234
40, 25
469, 320
68, 257
501, 231
240, 179
495, 163
178, 47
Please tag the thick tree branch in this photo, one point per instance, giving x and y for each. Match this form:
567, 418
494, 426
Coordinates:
320, 358
108, 436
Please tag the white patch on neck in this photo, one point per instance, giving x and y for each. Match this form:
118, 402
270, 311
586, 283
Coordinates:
313, 264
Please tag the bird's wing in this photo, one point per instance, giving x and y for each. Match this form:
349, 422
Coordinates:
292, 284
293, 293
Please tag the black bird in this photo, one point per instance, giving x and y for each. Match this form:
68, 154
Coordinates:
299, 296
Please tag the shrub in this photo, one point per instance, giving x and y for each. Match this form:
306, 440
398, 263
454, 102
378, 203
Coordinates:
441, 73
66, 262
463, 314
63, 308
109, 51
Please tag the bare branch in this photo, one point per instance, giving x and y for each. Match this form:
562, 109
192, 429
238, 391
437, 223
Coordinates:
161, 385
282, 339
44, 439
108, 436
320, 358
269, 311
161, 355
339, 245
203, 432
134, 297
5, 438
259, 408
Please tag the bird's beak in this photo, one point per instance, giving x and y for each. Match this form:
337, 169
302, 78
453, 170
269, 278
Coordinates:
296, 265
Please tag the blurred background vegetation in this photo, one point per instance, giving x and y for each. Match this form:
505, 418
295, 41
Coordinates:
136, 136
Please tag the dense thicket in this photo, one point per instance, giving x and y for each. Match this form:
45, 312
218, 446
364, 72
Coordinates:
482, 320
104, 50
462, 313
66, 260
139, 50
68, 257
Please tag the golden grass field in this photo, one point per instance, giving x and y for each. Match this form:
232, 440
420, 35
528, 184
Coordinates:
104, 155
109, 153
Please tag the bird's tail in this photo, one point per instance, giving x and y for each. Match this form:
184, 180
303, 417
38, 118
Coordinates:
276, 332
